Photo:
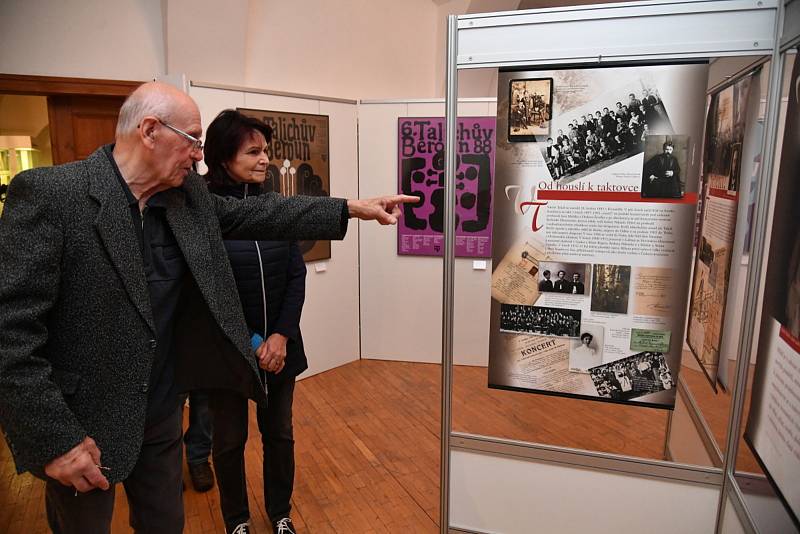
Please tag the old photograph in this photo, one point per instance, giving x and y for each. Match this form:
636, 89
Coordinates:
559, 277
587, 350
530, 108
631, 377
598, 139
725, 136
664, 158
520, 319
611, 285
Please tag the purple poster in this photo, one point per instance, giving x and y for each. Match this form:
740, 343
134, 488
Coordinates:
420, 151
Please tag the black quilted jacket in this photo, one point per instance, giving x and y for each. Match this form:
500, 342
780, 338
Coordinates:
271, 279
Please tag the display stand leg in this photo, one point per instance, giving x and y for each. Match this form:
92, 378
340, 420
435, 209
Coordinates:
666, 455
448, 256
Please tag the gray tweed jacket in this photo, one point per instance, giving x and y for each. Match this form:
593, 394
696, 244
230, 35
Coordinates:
76, 328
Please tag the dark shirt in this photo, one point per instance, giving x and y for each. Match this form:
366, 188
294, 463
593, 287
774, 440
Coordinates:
165, 269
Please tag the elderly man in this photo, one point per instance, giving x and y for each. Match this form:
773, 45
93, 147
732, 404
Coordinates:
114, 276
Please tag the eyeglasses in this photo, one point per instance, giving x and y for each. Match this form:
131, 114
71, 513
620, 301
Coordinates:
197, 144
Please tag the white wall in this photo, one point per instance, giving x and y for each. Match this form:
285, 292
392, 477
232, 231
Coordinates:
349, 48
354, 49
206, 39
511, 495
401, 296
115, 39
330, 314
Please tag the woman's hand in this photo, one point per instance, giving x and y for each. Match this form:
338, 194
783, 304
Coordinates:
272, 353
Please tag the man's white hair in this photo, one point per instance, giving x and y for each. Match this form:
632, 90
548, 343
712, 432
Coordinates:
149, 100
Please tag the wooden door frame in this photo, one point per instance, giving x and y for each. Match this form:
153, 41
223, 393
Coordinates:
22, 84
57, 86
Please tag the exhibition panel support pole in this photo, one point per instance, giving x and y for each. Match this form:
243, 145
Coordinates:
751, 300
451, 113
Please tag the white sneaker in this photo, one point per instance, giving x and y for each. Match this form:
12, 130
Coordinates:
284, 526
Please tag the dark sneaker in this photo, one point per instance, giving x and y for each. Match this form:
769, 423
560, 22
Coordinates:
241, 528
283, 526
202, 476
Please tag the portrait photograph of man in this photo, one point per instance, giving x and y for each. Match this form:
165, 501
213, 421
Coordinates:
664, 158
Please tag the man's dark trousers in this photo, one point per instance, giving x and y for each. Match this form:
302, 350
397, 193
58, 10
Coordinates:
154, 490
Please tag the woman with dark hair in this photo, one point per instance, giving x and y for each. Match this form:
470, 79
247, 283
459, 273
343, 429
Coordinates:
584, 356
270, 277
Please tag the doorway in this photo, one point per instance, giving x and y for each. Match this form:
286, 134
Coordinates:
47, 120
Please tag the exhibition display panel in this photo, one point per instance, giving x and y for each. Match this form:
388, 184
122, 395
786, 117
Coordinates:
720, 183
594, 219
537, 333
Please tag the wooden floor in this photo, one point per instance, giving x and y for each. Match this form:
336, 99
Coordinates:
367, 448
714, 407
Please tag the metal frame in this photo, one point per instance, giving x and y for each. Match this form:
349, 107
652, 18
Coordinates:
449, 259
225, 87
730, 28
621, 32
602, 461
706, 436
426, 100
751, 306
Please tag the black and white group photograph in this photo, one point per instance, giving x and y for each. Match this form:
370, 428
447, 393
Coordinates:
665, 156
587, 350
595, 140
611, 285
631, 377
530, 108
540, 320
558, 277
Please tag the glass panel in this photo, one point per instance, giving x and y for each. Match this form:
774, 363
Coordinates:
767, 466
564, 415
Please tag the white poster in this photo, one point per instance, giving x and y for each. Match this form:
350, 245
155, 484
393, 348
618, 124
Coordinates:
777, 441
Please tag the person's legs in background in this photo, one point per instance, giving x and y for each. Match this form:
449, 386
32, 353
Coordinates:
229, 416
275, 424
198, 442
